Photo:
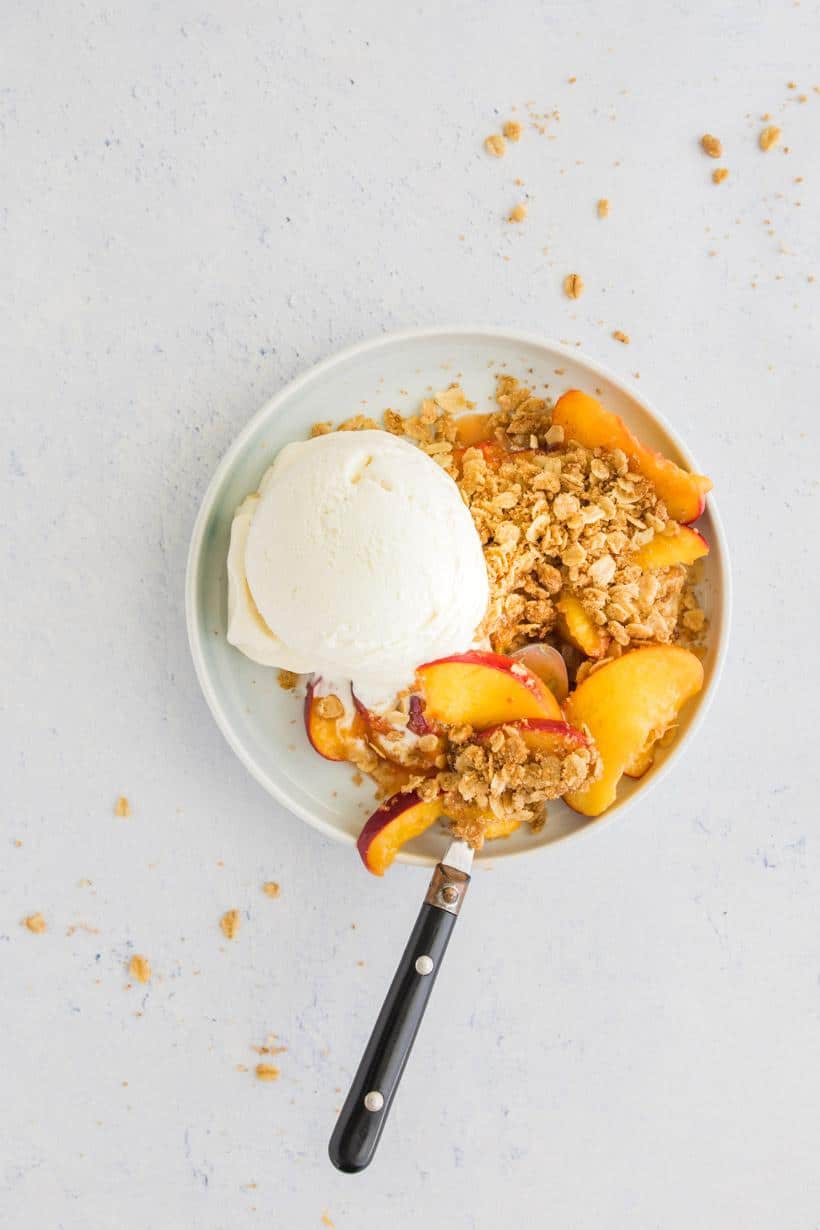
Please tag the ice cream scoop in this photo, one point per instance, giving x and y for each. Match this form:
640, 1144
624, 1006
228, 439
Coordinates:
357, 559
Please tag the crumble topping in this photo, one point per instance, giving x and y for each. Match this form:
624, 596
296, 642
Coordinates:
288, 680
769, 137
36, 923
495, 145
139, 968
267, 1072
271, 889
229, 924
719, 174
711, 145
512, 130
518, 213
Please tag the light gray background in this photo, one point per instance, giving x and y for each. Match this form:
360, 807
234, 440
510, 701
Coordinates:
197, 202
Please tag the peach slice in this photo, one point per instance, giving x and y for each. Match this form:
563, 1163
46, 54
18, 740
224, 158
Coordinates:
578, 627
483, 689
495, 828
641, 763
396, 822
678, 544
584, 420
473, 429
623, 704
323, 733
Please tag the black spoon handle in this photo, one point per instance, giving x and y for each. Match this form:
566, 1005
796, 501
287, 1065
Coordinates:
363, 1115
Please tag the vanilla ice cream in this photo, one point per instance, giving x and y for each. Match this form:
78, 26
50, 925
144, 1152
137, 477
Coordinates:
357, 559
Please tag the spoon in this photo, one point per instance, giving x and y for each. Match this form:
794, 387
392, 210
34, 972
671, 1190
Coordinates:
362, 1119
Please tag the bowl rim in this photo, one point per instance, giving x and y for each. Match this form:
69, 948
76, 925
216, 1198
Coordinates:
720, 629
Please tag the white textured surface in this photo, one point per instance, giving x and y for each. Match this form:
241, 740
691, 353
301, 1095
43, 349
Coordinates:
198, 201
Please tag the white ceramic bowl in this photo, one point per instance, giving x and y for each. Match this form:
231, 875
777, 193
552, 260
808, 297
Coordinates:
262, 723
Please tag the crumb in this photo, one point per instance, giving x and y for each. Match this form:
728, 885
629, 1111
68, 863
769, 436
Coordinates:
17, 843
287, 680
769, 137
620, 336
572, 80
791, 85
35, 923
321, 429
271, 889
495, 145
802, 98
603, 207
326, 1221
518, 213
573, 286
229, 922
240, 1067
360, 963
711, 145
512, 130
140, 968
357, 778
267, 1072
122, 807
75, 927
719, 174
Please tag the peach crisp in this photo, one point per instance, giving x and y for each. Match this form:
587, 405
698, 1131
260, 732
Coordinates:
587, 651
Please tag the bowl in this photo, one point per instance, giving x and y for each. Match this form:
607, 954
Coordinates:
261, 721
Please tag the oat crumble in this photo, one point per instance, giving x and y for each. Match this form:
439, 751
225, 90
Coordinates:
769, 137
495, 145
229, 924
36, 923
711, 145
573, 286
140, 968
512, 130
555, 519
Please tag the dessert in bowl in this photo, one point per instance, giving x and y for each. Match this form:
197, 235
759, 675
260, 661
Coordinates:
480, 698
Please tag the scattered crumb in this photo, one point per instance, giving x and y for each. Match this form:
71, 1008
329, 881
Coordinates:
802, 98
573, 286
326, 1221
719, 174
518, 213
17, 843
769, 137
495, 145
122, 807
620, 336
791, 85
360, 964
512, 130
271, 889
711, 145
287, 680
357, 778
267, 1072
75, 927
240, 1067
229, 922
572, 80
35, 923
603, 207
321, 429
140, 968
